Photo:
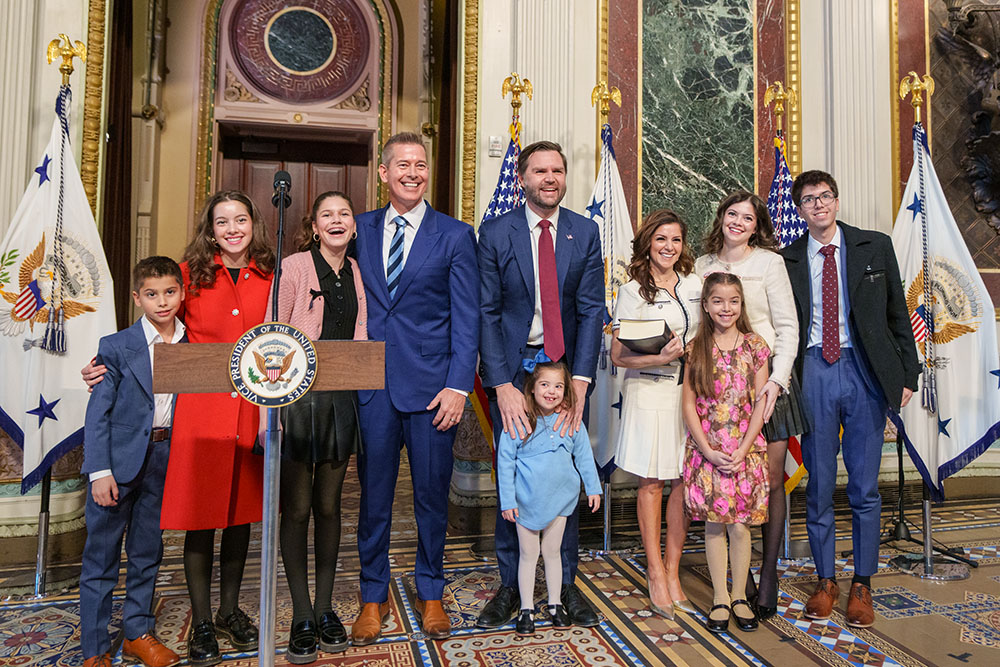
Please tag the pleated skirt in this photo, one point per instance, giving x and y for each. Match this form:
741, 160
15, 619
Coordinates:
652, 433
790, 418
321, 426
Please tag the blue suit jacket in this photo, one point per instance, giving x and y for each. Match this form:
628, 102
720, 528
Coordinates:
507, 298
120, 410
431, 328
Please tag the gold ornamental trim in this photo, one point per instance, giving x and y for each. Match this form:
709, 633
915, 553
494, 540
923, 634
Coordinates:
470, 110
793, 75
90, 147
603, 41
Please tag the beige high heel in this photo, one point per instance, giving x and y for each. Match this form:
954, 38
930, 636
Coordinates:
656, 609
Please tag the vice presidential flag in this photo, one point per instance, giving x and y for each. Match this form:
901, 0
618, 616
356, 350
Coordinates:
610, 211
955, 414
56, 294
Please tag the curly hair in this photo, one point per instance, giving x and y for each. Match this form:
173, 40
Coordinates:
200, 252
638, 268
812, 177
763, 236
304, 236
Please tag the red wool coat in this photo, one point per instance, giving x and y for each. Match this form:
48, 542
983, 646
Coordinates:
213, 479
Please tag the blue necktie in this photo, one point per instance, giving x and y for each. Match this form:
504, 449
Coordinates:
395, 268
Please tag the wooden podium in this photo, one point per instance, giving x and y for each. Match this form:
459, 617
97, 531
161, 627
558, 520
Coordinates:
203, 368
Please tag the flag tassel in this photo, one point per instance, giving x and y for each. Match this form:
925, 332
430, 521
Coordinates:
54, 339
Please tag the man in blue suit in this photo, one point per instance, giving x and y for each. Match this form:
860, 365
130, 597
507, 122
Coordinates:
421, 281
512, 249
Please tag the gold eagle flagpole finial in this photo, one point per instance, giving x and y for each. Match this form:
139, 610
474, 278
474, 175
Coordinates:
516, 86
601, 93
67, 52
779, 94
912, 83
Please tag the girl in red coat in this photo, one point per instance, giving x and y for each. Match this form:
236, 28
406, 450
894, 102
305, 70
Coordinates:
213, 478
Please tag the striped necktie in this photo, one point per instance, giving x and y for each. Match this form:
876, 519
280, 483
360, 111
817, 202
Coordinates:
395, 267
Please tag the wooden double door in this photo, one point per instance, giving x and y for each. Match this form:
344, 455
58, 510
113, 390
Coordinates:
250, 163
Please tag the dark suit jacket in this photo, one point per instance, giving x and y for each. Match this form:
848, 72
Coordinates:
507, 299
878, 319
431, 328
120, 410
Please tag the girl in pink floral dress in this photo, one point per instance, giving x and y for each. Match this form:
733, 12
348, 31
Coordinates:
725, 464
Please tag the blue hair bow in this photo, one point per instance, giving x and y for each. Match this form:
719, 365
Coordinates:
540, 358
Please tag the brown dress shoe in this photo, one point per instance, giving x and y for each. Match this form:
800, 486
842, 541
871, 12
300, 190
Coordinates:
860, 613
820, 605
103, 660
433, 620
368, 626
150, 651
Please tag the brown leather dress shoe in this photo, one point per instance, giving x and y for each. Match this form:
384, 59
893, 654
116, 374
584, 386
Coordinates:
433, 620
103, 660
368, 626
860, 613
820, 605
150, 651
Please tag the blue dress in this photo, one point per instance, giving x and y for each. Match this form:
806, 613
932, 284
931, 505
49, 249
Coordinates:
541, 475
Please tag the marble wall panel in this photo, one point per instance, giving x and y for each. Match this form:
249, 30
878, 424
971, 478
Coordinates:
698, 108
623, 73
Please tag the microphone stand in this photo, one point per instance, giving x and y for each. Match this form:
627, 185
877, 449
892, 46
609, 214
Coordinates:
272, 468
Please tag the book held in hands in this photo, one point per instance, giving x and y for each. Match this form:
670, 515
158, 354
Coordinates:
644, 336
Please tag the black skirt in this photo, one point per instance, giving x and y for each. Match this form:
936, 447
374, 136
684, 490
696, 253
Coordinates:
321, 426
789, 418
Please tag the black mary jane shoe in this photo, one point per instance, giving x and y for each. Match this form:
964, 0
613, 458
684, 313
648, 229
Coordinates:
302, 643
720, 626
202, 645
524, 626
238, 629
558, 616
332, 635
744, 624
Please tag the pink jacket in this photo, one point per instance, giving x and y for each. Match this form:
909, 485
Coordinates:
298, 276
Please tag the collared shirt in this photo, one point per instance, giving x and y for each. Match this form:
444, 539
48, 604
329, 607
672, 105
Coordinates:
816, 287
413, 219
162, 403
338, 296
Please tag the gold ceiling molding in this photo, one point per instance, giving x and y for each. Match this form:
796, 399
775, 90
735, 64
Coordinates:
793, 75
93, 101
470, 115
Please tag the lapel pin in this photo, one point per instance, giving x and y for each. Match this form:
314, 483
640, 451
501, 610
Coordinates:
868, 268
569, 237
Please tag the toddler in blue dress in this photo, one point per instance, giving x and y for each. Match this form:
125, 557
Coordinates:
539, 481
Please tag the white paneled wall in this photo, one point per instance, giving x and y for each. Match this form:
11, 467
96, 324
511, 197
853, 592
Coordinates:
18, 19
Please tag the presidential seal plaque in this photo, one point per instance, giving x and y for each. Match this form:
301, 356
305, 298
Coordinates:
273, 364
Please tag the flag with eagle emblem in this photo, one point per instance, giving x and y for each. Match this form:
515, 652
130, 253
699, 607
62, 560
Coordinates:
55, 304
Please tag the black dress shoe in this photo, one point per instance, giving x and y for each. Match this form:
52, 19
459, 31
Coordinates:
203, 647
560, 619
332, 635
238, 629
764, 612
500, 609
525, 626
579, 610
719, 626
302, 643
744, 624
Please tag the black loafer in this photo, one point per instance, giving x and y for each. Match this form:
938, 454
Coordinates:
302, 643
238, 629
721, 626
332, 634
579, 610
744, 624
525, 626
501, 609
203, 647
559, 617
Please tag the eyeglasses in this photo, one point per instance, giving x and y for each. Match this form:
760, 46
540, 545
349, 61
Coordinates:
810, 200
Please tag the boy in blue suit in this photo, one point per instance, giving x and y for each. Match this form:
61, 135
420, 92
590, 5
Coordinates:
126, 444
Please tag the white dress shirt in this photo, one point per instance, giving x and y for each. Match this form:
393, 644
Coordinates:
162, 403
816, 287
413, 219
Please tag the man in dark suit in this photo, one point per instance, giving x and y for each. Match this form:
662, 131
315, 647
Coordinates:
511, 250
856, 358
420, 275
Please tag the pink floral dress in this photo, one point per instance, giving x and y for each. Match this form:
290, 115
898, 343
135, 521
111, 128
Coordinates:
710, 495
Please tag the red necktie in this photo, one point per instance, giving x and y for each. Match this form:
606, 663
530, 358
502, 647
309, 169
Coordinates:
831, 305
548, 285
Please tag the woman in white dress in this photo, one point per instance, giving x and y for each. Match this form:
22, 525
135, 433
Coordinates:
651, 437
742, 243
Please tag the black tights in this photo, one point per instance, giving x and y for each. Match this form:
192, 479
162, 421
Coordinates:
772, 532
315, 488
199, 552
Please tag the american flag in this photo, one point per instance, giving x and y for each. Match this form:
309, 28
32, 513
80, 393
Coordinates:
788, 226
29, 301
508, 194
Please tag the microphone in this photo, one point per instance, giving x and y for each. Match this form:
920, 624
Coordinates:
282, 184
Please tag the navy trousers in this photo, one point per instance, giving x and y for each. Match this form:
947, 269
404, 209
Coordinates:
137, 518
384, 431
840, 395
